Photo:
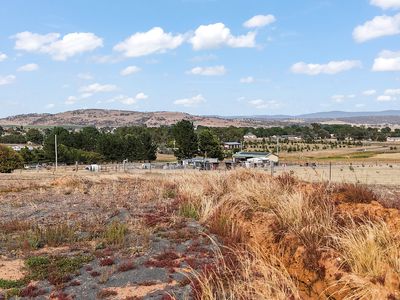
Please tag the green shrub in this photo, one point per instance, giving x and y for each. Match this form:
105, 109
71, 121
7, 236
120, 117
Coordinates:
9, 160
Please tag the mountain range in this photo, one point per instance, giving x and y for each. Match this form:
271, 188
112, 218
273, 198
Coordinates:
117, 118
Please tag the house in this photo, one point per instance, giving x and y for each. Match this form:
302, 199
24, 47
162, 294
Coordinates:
250, 137
201, 163
395, 139
264, 157
232, 145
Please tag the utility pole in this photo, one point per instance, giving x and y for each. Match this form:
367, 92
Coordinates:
55, 148
277, 146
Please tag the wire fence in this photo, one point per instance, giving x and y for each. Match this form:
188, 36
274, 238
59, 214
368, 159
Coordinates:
364, 173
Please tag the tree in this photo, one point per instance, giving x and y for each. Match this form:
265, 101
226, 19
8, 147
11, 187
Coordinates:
209, 145
35, 136
63, 138
9, 160
185, 140
147, 149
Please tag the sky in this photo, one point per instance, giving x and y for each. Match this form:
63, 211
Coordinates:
204, 57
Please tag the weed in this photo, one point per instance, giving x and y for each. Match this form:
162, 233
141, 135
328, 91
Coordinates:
126, 266
108, 261
9, 284
103, 294
189, 210
115, 233
55, 269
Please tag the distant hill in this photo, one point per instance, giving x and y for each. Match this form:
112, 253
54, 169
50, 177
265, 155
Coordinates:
118, 118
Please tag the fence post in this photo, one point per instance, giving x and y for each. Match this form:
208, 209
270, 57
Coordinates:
330, 171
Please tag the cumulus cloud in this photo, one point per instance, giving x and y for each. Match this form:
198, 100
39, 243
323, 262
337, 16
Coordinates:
3, 56
260, 103
259, 21
130, 70
153, 41
58, 48
208, 71
85, 76
369, 92
387, 61
98, 88
71, 100
392, 92
127, 100
386, 4
342, 98
217, 35
190, 102
28, 68
377, 27
332, 67
249, 79
385, 98
5, 80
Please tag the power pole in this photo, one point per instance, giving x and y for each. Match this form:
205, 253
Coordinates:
277, 146
55, 148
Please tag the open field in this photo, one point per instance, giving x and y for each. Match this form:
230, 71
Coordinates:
238, 234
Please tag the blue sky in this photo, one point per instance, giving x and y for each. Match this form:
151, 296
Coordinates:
208, 57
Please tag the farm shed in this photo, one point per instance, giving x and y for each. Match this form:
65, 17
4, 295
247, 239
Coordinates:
265, 157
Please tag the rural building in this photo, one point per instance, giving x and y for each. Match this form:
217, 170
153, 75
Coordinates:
232, 145
395, 139
264, 157
250, 137
201, 163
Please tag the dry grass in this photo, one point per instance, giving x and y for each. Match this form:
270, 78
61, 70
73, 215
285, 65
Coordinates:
286, 237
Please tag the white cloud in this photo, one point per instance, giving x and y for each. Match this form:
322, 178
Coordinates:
85, 76
385, 98
217, 35
190, 102
369, 92
58, 48
5, 80
208, 71
333, 67
392, 92
71, 100
3, 56
260, 103
28, 68
387, 61
129, 100
130, 70
386, 4
259, 21
153, 41
98, 88
249, 79
342, 98
377, 27
50, 105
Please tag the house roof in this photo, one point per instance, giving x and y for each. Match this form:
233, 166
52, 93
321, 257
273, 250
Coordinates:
242, 154
232, 143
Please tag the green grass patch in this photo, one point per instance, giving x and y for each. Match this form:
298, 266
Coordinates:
189, 210
10, 284
57, 269
115, 233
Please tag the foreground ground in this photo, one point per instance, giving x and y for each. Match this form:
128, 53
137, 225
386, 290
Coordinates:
196, 235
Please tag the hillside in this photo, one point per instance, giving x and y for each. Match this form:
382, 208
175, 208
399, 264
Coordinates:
116, 118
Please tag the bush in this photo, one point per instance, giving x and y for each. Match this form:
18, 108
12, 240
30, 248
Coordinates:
9, 160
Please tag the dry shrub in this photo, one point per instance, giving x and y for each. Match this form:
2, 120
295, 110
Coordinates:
355, 193
255, 275
310, 218
369, 249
